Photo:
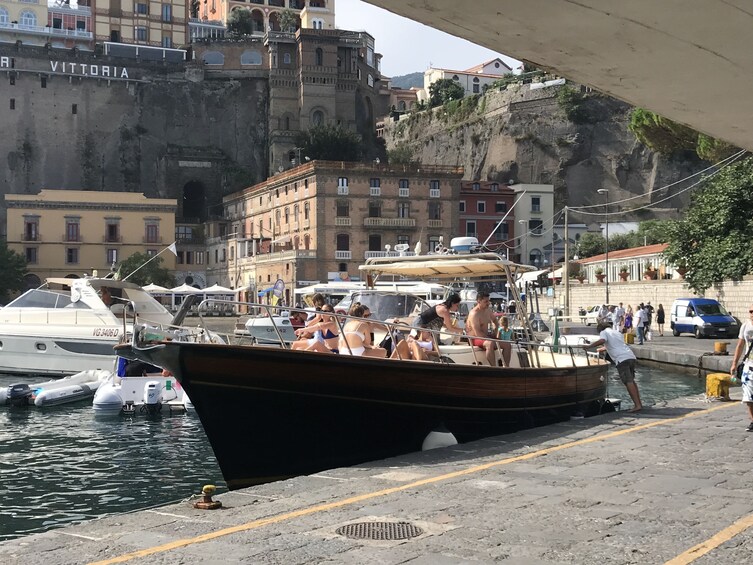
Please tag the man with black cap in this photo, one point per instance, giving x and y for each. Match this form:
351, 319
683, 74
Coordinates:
622, 356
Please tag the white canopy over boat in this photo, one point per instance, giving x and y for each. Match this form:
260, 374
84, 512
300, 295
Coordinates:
443, 266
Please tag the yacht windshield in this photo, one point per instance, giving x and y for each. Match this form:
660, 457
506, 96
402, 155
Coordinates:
45, 298
386, 306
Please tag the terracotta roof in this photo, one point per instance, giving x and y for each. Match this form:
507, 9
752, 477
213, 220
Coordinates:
631, 253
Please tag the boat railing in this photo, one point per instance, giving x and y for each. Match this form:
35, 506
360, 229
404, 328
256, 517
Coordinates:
535, 354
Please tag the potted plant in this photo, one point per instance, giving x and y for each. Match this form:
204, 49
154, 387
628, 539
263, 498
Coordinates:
650, 273
600, 276
624, 272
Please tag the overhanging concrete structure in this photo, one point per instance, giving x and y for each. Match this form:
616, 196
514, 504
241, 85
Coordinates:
688, 60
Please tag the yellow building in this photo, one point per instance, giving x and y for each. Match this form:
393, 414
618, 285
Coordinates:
24, 21
72, 232
141, 22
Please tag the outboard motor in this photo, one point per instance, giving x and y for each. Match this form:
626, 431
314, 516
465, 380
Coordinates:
19, 395
153, 397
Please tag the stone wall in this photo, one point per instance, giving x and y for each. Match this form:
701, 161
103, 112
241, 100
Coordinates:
734, 296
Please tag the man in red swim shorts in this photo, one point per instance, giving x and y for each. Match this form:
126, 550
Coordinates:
479, 321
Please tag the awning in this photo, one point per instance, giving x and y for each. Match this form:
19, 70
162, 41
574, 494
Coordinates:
281, 240
217, 289
185, 289
557, 274
532, 276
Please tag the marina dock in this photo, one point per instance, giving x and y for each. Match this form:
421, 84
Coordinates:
667, 485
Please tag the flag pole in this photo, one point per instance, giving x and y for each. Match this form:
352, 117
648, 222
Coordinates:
171, 247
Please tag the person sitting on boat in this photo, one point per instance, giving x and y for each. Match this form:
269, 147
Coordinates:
438, 316
505, 333
477, 326
325, 334
356, 339
106, 296
371, 349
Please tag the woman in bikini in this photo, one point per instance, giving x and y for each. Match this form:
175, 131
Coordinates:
356, 339
326, 333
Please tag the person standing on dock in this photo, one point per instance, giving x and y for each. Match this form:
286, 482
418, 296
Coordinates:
742, 355
622, 356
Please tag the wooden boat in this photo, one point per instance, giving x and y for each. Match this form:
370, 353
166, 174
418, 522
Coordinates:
272, 413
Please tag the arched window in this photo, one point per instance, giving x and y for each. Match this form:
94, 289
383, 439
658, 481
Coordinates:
319, 56
287, 215
28, 18
401, 105
455, 77
213, 58
250, 57
296, 211
286, 58
318, 118
3, 15
306, 211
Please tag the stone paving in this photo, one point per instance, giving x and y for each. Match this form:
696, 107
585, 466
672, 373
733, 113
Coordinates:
614, 489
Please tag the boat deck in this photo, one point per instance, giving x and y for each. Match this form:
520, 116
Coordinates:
667, 485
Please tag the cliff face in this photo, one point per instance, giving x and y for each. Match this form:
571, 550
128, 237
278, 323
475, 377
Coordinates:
524, 135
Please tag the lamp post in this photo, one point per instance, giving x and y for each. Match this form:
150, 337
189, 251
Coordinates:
523, 250
605, 192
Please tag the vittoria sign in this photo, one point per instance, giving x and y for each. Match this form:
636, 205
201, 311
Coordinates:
76, 69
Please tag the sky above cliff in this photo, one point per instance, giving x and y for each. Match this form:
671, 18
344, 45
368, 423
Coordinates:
408, 46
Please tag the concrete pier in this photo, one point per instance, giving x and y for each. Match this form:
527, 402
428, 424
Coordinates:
668, 485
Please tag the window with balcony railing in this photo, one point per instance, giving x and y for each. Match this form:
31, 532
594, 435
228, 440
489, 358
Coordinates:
152, 233
31, 231
434, 189
404, 192
72, 231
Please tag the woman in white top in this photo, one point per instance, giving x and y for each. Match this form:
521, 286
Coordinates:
356, 336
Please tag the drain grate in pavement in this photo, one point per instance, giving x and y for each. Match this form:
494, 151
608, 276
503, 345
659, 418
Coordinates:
380, 531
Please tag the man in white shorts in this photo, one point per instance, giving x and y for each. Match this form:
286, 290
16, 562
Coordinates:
742, 353
623, 357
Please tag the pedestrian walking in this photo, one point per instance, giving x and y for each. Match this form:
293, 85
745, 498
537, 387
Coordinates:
623, 357
640, 323
660, 320
619, 314
742, 355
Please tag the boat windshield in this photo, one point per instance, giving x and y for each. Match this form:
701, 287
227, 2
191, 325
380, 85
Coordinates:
45, 298
385, 306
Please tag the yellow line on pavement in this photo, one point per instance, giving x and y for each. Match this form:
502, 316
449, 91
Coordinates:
713, 542
376, 494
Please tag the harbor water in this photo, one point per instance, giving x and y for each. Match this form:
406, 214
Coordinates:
63, 465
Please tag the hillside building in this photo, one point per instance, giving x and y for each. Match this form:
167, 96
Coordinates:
320, 220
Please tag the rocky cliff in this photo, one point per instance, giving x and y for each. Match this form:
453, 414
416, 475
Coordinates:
523, 134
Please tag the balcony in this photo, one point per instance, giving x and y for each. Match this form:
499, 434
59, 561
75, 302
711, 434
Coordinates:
370, 254
31, 237
277, 257
112, 239
342, 221
343, 255
389, 222
152, 240
434, 224
47, 31
68, 238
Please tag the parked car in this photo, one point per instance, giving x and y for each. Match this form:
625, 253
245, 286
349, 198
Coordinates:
592, 314
703, 317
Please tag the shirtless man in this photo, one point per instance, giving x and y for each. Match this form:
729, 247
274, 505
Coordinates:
477, 325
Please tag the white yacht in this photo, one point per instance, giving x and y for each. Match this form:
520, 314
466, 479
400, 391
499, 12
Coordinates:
70, 325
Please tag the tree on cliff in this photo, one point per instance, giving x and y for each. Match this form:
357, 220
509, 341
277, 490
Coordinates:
240, 23
713, 240
150, 272
666, 136
444, 90
330, 143
12, 273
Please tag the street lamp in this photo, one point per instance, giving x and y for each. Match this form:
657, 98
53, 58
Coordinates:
523, 249
605, 192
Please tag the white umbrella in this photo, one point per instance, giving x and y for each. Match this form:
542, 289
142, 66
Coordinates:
217, 289
155, 288
185, 289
